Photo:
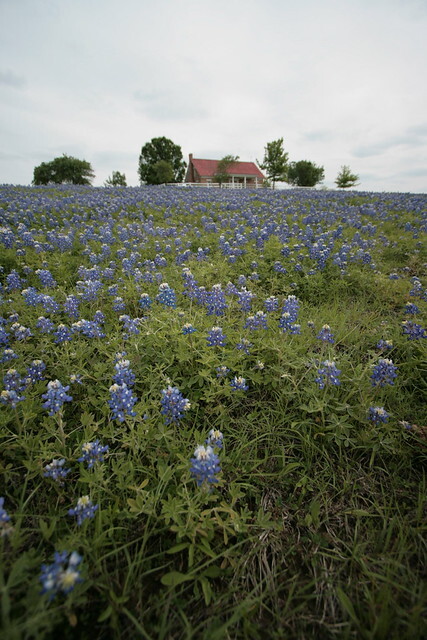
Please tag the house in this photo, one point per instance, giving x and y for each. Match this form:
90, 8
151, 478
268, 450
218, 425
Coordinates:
242, 174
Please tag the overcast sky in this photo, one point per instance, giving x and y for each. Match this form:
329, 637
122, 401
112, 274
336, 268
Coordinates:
342, 81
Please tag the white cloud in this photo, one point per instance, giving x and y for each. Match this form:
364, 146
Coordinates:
342, 83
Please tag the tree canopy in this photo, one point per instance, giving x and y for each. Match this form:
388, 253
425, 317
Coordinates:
275, 163
64, 169
346, 178
305, 173
221, 174
116, 179
161, 150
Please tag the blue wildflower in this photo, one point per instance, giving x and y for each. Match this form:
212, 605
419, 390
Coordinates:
166, 296
215, 301
216, 337
222, 371
35, 372
145, 301
271, 304
62, 334
121, 401
45, 325
205, 465
173, 404
244, 345
10, 398
124, 373
56, 470
84, 509
188, 328
5, 526
239, 384
328, 374
385, 345
92, 452
325, 334
411, 308
55, 396
378, 414
413, 330
7, 356
215, 438
62, 575
384, 373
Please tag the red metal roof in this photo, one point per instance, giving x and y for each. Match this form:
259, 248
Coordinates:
208, 168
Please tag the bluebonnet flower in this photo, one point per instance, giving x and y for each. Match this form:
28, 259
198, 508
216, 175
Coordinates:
20, 332
84, 509
215, 301
216, 337
271, 304
13, 382
173, 404
62, 575
244, 299
75, 378
384, 373
124, 373
14, 281
259, 365
231, 289
130, 324
71, 306
4, 336
215, 438
413, 330
205, 465
56, 470
55, 396
119, 304
188, 328
99, 317
31, 296
113, 290
89, 328
411, 308
121, 401
89, 289
46, 278
62, 334
92, 452
49, 304
325, 334
45, 325
10, 398
5, 526
393, 276
378, 414
257, 321
35, 371
244, 345
7, 355
145, 301
222, 371
286, 323
166, 296
328, 374
239, 384
385, 345
291, 305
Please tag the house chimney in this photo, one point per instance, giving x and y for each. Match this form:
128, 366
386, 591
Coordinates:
190, 157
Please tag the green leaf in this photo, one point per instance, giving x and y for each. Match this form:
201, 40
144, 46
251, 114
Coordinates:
346, 604
105, 614
174, 578
178, 547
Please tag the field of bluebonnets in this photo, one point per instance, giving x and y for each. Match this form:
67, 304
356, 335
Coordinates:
213, 413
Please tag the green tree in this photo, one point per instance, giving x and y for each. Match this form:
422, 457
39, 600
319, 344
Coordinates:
160, 149
162, 173
221, 174
305, 174
64, 169
346, 178
116, 179
275, 162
